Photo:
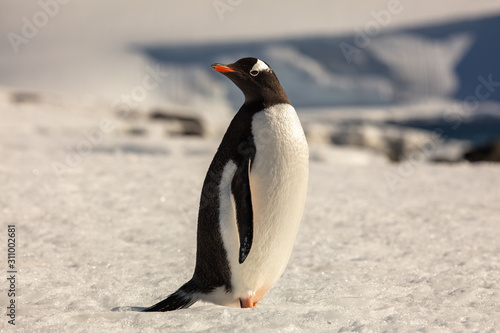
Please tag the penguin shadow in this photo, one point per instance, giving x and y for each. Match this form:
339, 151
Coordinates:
128, 309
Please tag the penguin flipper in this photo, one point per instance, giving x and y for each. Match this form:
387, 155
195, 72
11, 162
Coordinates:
183, 298
240, 188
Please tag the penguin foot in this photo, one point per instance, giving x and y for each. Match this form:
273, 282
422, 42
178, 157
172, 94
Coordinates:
247, 303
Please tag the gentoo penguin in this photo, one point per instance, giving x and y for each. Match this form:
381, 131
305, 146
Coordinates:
252, 198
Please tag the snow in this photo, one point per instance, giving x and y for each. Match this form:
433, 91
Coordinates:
397, 247
423, 64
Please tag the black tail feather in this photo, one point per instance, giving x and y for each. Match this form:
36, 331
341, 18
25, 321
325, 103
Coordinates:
181, 299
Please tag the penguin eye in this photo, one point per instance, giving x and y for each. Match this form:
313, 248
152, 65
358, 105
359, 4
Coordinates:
254, 72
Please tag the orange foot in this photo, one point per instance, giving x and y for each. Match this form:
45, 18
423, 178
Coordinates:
247, 302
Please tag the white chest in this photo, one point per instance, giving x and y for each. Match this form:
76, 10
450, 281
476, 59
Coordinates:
281, 159
278, 182
278, 185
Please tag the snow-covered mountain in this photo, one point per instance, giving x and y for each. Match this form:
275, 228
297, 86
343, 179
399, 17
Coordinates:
438, 61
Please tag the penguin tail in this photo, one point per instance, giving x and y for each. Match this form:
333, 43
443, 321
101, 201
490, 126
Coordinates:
183, 298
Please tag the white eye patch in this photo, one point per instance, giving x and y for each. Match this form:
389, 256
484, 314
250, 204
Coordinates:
259, 67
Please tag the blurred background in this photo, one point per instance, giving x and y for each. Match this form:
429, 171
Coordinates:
397, 77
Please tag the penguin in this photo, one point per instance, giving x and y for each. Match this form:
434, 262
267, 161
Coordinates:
252, 198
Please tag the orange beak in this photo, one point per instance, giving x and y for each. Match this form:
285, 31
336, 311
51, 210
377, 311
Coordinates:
222, 68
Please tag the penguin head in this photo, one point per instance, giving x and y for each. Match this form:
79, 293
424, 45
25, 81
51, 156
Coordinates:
256, 80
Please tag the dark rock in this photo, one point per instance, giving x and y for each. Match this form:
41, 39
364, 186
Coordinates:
190, 125
24, 97
397, 143
485, 153
136, 131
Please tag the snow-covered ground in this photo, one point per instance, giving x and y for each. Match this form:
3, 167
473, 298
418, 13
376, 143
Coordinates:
105, 203
105, 219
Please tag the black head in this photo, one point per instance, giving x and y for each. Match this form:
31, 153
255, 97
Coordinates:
256, 80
